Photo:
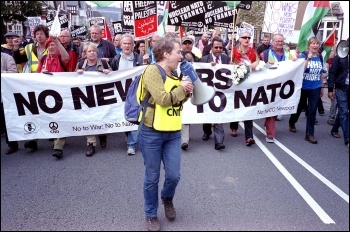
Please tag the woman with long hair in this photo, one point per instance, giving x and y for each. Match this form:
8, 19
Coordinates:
240, 54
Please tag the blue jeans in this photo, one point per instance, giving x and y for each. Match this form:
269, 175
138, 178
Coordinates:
342, 95
156, 147
131, 140
308, 98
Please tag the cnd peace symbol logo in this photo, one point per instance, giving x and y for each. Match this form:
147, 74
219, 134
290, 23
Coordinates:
53, 126
200, 24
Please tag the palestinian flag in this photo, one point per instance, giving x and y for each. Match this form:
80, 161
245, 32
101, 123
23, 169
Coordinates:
328, 44
314, 13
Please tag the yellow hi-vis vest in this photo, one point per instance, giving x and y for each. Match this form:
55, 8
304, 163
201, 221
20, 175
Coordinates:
32, 58
167, 118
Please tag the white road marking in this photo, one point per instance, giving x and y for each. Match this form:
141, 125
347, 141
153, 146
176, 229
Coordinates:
303, 193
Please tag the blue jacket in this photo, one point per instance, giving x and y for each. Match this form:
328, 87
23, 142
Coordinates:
338, 73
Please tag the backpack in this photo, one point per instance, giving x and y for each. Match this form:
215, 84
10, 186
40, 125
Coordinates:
134, 105
42, 59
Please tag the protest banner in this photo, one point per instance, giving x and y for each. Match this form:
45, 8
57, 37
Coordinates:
128, 17
145, 19
93, 103
117, 26
33, 22
63, 20
79, 31
280, 17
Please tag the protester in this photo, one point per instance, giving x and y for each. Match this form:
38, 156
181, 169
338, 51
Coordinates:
202, 42
240, 53
76, 42
311, 89
160, 135
8, 65
56, 60
7, 48
117, 43
276, 53
264, 46
215, 57
154, 39
140, 49
31, 54
187, 54
106, 49
207, 48
73, 50
92, 63
339, 78
127, 59
333, 108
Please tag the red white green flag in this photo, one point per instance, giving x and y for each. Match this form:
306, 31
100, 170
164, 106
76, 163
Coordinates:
328, 44
314, 13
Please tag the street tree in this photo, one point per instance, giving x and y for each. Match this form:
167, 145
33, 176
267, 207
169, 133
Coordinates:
18, 11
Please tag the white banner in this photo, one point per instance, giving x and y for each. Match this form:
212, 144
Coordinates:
280, 17
41, 106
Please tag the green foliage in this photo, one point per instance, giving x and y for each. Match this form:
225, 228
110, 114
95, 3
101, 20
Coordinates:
254, 16
20, 10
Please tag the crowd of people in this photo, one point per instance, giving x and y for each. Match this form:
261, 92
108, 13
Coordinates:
158, 140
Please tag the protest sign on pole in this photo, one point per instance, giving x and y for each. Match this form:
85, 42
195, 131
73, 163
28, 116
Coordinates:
33, 22
280, 17
145, 19
128, 17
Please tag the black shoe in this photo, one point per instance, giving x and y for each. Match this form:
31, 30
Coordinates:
11, 150
103, 140
206, 137
90, 150
32, 144
219, 146
58, 154
184, 146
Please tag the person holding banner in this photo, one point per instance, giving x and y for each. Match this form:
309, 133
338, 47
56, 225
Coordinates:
243, 53
92, 63
31, 55
125, 60
160, 134
186, 51
57, 60
276, 53
215, 57
8, 65
311, 89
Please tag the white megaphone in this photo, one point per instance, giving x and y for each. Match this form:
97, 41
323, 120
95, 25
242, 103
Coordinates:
201, 93
343, 49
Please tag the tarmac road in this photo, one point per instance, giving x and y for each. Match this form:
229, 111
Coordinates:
289, 185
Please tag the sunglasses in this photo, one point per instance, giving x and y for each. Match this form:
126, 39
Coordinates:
186, 43
246, 37
218, 47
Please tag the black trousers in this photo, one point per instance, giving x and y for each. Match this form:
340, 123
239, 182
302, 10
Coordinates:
219, 133
3, 127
